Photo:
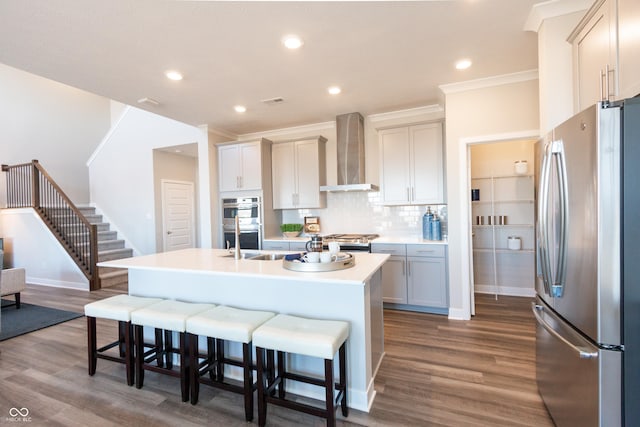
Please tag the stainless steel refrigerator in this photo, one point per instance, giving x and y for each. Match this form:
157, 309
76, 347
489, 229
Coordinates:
588, 267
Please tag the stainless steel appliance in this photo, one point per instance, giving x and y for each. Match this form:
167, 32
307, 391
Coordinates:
350, 242
588, 274
249, 212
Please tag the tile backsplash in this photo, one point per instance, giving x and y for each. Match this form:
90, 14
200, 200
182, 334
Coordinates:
362, 212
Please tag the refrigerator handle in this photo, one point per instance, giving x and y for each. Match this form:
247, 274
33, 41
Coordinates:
557, 287
543, 237
583, 352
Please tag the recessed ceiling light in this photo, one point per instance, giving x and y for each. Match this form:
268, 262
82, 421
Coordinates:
463, 64
334, 90
173, 75
292, 42
240, 108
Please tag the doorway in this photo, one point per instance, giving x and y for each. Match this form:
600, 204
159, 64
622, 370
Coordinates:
501, 217
178, 215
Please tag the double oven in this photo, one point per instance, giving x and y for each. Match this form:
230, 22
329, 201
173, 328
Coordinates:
249, 212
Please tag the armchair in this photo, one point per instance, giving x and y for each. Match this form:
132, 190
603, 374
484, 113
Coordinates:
12, 281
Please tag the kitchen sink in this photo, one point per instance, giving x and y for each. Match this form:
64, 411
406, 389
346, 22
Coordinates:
243, 254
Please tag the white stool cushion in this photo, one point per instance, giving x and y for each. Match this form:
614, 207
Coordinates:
227, 323
168, 314
118, 307
310, 337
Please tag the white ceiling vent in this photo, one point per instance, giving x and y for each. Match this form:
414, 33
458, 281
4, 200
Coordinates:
148, 101
273, 101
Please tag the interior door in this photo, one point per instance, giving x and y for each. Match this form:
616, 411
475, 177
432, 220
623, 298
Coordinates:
178, 219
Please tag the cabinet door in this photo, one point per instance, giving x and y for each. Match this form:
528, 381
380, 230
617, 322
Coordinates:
229, 167
394, 280
307, 174
251, 177
426, 164
298, 246
394, 152
283, 175
594, 49
426, 281
629, 45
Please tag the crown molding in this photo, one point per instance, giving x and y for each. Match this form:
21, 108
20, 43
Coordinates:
552, 8
408, 113
504, 79
311, 128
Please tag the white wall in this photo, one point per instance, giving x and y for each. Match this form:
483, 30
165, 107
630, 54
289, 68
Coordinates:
56, 124
29, 244
121, 173
479, 113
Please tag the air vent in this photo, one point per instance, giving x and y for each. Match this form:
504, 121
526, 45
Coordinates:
273, 101
148, 101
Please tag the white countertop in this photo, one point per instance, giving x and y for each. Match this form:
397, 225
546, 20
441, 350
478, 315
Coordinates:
214, 261
406, 240
409, 240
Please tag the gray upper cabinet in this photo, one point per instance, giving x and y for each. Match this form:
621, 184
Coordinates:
412, 164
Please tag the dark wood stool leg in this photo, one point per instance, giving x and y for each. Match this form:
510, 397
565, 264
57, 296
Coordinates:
17, 295
220, 359
184, 367
248, 381
128, 352
282, 369
121, 343
91, 344
168, 347
158, 348
262, 404
271, 370
194, 364
343, 379
139, 337
211, 354
328, 385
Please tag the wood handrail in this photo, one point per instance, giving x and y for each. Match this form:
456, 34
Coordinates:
30, 185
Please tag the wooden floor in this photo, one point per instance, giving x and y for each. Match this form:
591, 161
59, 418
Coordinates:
436, 372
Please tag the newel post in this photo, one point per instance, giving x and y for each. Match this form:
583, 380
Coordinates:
35, 185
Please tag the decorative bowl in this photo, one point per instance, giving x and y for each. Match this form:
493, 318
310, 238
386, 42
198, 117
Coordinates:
291, 233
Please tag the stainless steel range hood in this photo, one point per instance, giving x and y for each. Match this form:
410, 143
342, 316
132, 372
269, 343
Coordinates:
350, 149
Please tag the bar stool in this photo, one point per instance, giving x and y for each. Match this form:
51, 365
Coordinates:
118, 308
222, 324
309, 337
168, 315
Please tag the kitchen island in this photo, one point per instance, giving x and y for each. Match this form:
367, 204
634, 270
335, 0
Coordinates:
215, 276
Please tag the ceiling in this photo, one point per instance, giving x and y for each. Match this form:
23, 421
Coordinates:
386, 56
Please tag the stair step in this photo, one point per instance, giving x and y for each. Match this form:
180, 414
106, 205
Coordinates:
102, 226
94, 218
112, 254
87, 210
113, 278
105, 245
107, 235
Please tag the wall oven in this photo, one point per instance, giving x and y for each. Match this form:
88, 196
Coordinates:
248, 210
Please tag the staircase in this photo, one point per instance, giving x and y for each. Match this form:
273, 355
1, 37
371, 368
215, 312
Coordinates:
109, 248
81, 232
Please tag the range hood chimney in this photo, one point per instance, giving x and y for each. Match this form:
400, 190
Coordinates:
350, 149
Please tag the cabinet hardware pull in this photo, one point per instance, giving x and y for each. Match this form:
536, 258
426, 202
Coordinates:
404, 269
408, 268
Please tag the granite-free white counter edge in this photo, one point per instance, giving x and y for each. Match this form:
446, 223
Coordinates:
408, 240
214, 262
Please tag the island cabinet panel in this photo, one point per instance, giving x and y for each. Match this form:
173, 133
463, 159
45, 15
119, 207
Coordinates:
353, 295
412, 167
284, 245
414, 277
241, 166
299, 169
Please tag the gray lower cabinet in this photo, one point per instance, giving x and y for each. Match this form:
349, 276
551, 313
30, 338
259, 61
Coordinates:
284, 245
415, 277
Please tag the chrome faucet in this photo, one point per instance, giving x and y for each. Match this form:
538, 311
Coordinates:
238, 254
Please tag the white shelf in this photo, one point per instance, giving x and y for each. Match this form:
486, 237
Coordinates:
502, 177
504, 251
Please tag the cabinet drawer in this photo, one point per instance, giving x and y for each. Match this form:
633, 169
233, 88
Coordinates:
297, 246
389, 248
426, 250
275, 245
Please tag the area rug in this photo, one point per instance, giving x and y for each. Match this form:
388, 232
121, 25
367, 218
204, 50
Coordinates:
30, 318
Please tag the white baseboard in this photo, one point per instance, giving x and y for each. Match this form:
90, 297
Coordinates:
458, 314
505, 290
57, 283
